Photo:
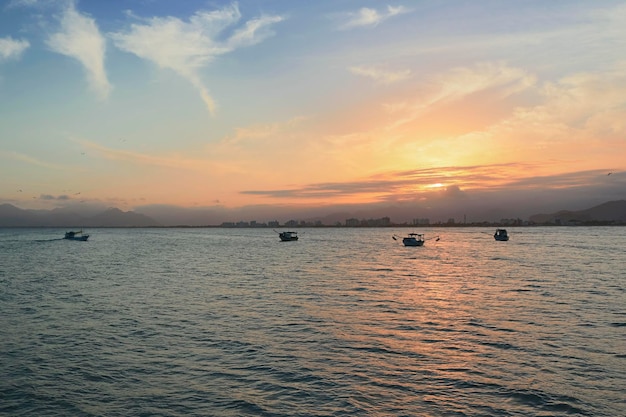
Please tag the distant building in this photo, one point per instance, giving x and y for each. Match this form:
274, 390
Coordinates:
421, 222
511, 222
383, 221
273, 223
352, 222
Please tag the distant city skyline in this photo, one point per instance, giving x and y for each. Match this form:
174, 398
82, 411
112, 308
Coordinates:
248, 109
607, 213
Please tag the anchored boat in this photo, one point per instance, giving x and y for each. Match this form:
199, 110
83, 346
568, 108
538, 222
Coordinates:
501, 235
287, 236
414, 239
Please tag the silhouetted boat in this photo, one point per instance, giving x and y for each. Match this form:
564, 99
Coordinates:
287, 236
414, 239
501, 235
76, 236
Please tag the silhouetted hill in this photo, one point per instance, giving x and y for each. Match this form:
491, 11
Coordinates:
606, 212
11, 216
75, 217
114, 217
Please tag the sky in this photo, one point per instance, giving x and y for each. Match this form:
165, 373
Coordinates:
404, 106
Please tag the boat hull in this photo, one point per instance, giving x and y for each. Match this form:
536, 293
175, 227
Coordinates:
412, 242
78, 238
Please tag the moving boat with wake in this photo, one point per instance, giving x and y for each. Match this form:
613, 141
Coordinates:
78, 235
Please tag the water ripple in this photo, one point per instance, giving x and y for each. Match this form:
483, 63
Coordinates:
179, 322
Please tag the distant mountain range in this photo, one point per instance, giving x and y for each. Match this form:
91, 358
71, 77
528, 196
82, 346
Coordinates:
11, 216
607, 212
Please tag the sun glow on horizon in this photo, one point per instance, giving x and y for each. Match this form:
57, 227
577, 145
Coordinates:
347, 120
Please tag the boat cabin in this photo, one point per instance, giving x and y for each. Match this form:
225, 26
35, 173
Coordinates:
288, 236
413, 239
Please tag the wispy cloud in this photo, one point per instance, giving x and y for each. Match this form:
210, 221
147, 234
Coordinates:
22, 3
80, 38
50, 197
16, 156
261, 134
138, 158
381, 75
452, 181
583, 111
12, 48
253, 32
460, 82
188, 46
366, 17
391, 183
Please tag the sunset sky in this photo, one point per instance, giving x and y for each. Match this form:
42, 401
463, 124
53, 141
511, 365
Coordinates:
133, 103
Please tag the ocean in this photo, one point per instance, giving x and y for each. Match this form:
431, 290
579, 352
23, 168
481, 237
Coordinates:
343, 322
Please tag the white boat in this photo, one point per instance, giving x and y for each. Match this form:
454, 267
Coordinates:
501, 235
288, 236
78, 235
414, 239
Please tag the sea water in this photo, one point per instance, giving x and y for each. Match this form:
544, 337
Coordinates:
345, 321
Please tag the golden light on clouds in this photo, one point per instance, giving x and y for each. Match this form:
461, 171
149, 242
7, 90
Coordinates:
365, 113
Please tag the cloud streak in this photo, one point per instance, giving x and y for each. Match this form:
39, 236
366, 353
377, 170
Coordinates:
16, 156
137, 158
186, 47
380, 75
50, 197
80, 38
367, 17
12, 48
460, 82
453, 180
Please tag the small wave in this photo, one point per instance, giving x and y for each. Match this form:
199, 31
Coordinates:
500, 345
556, 403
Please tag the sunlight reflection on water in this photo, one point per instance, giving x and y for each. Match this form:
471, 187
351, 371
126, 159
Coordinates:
344, 321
